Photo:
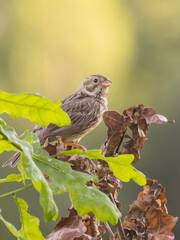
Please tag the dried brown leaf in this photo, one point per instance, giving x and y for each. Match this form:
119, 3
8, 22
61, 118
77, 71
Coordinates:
68, 228
148, 217
114, 121
112, 144
137, 119
82, 164
156, 118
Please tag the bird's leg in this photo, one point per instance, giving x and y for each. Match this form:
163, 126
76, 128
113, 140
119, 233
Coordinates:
73, 144
61, 142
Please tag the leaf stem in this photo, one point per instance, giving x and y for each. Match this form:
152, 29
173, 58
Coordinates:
16, 191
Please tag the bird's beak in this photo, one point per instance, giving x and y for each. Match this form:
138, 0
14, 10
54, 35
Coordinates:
107, 83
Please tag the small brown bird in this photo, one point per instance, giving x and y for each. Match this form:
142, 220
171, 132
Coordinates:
85, 108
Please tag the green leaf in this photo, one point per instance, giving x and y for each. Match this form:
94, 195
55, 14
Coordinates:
11, 137
5, 146
33, 140
29, 169
30, 224
41, 185
12, 178
84, 199
12, 229
34, 107
120, 165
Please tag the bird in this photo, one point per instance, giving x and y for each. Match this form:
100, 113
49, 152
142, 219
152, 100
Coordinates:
85, 108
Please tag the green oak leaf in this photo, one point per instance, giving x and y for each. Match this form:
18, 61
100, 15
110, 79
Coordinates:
30, 224
120, 165
84, 199
36, 108
28, 169
33, 140
12, 229
11, 178
8, 138
6, 146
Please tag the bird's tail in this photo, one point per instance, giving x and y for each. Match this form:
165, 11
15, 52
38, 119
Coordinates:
13, 161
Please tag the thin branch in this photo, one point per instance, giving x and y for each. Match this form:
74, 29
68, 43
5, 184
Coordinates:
120, 229
120, 141
16, 191
119, 226
109, 230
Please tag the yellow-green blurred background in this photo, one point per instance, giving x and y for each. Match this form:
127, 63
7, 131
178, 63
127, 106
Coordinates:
50, 46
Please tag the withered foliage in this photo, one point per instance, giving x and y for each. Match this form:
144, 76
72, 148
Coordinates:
74, 227
68, 228
147, 218
137, 119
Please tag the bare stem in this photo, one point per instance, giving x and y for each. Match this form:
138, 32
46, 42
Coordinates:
119, 226
120, 229
16, 191
120, 142
109, 230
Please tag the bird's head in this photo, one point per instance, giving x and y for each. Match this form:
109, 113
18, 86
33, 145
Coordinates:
95, 85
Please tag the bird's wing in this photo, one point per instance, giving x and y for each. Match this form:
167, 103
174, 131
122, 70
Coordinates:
81, 110
83, 113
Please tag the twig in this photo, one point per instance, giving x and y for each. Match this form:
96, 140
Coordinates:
109, 230
120, 229
119, 226
16, 191
120, 141
19, 190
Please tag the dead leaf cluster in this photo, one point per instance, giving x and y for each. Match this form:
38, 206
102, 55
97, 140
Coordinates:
137, 119
147, 218
74, 227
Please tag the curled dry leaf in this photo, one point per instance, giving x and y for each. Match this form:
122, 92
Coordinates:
68, 228
94, 230
137, 119
148, 216
82, 164
74, 227
156, 118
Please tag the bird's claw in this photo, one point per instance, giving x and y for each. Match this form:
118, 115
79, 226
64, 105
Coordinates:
59, 138
46, 143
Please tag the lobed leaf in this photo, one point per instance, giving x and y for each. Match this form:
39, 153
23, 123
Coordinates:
29, 169
30, 224
33, 140
120, 165
40, 184
62, 178
12, 178
11, 228
84, 199
34, 107
5, 146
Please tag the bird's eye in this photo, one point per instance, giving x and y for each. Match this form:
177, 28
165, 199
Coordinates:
95, 80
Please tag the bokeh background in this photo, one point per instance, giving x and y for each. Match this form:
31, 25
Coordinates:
50, 46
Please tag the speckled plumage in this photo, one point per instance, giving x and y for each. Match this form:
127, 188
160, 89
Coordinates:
85, 108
